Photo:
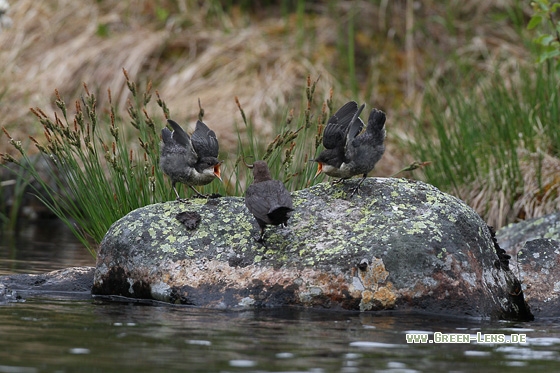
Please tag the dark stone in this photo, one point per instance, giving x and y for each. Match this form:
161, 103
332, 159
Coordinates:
190, 219
400, 245
73, 282
503, 258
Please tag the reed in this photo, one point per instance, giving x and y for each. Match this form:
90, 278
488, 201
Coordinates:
104, 166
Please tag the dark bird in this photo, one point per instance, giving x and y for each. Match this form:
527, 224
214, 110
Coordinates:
267, 199
189, 160
348, 151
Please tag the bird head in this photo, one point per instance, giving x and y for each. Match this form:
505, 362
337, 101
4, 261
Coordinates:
260, 171
210, 167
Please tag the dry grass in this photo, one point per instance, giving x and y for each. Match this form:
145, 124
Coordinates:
539, 196
56, 44
195, 54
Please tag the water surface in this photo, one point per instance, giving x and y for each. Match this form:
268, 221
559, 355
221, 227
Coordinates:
41, 247
57, 334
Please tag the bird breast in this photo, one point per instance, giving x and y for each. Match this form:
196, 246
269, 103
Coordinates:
343, 172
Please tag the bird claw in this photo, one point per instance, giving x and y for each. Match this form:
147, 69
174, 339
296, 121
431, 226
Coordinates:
182, 200
199, 195
354, 191
207, 196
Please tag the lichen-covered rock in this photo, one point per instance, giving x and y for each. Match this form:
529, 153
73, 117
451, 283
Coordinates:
513, 237
538, 263
534, 246
400, 245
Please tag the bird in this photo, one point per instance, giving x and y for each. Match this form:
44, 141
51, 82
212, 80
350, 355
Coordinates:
268, 200
348, 150
191, 160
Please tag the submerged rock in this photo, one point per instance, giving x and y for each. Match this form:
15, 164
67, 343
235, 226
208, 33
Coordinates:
74, 282
400, 244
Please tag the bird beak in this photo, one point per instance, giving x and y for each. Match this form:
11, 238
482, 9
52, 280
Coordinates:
319, 170
217, 171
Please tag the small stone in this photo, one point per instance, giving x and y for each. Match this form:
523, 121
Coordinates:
190, 219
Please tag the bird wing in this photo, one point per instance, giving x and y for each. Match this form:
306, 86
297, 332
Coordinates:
179, 135
257, 201
282, 197
281, 203
337, 126
269, 201
204, 141
178, 142
356, 125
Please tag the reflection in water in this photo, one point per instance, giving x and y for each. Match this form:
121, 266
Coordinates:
70, 335
40, 247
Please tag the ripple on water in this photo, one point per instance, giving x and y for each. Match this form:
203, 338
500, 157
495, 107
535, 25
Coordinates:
242, 363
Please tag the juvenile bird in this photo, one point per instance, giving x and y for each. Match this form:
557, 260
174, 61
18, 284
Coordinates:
189, 160
267, 199
347, 152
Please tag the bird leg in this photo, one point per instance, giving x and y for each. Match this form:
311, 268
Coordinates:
357, 187
261, 236
198, 194
179, 199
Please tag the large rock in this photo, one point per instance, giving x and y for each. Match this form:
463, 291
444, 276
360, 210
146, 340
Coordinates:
400, 245
534, 245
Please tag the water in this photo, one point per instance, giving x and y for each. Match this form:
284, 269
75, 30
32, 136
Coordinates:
45, 246
56, 334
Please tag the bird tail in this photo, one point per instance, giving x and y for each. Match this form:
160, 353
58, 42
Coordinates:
376, 125
166, 135
279, 214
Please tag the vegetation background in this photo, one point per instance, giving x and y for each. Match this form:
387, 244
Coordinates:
459, 81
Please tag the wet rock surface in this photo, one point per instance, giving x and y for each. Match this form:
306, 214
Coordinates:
72, 282
399, 245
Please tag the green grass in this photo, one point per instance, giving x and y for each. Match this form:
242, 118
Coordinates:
105, 166
96, 175
474, 136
